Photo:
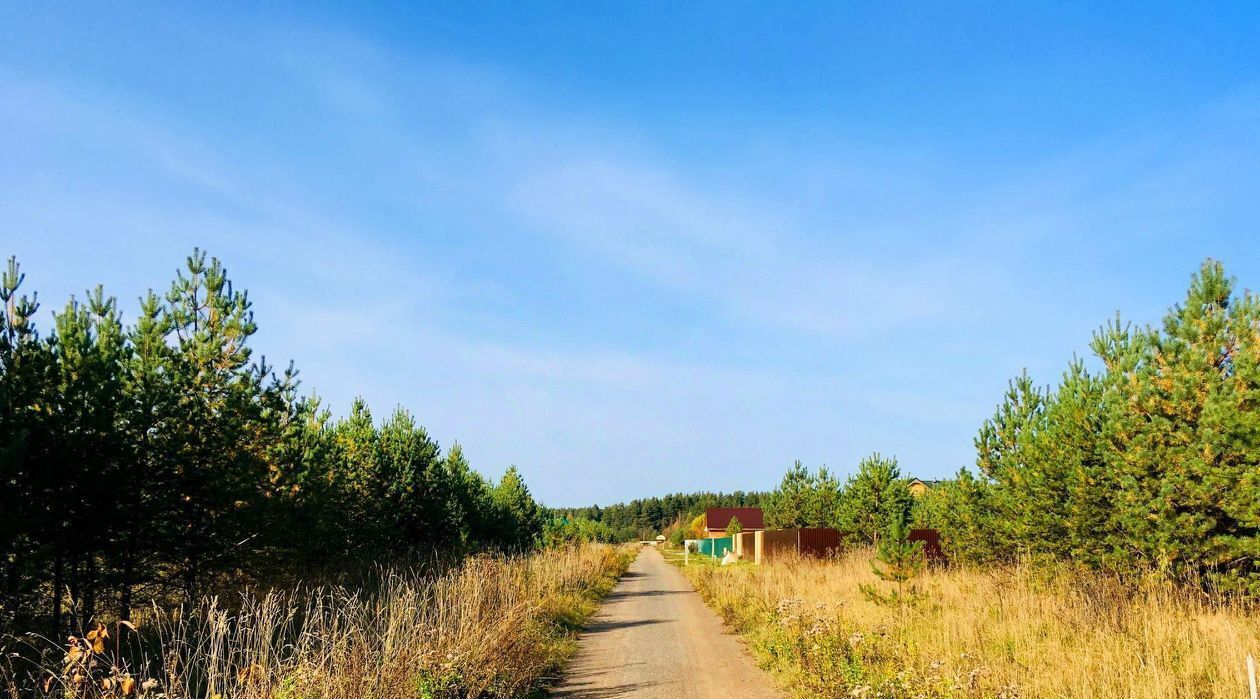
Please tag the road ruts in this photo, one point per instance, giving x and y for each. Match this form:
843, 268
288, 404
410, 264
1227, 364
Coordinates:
654, 637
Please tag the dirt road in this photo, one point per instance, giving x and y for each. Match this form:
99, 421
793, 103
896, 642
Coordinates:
655, 638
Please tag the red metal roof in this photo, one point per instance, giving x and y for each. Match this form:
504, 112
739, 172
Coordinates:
716, 518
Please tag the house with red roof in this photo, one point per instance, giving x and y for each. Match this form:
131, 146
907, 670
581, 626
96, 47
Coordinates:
716, 519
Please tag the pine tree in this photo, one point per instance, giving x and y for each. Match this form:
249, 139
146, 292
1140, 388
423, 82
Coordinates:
421, 501
86, 467
655, 515
160, 458
1003, 458
968, 519
1070, 507
26, 384
789, 506
472, 494
358, 479
898, 561
872, 498
217, 468
310, 530
823, 507
1186, 438
149, 528
1150, 463
520, 518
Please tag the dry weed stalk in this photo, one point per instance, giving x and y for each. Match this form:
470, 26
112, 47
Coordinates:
1010, 632
489, 627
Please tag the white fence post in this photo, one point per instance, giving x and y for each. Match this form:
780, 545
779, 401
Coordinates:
1251, 675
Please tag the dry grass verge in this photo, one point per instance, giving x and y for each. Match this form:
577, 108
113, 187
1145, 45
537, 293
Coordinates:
490, 627
1007, 633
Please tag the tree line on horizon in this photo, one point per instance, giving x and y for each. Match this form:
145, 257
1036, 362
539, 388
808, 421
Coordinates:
156, 461
645, 518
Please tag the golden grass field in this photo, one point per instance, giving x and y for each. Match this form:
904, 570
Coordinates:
492, 626
1013, 632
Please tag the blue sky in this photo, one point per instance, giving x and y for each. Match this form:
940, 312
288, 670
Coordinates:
645, 247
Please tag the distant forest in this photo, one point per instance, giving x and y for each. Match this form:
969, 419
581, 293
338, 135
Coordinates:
647, 517
158, 461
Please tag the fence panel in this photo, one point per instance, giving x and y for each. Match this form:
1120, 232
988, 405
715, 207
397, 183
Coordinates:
722, 545
931, 543
715, 548
821, 543
778, 543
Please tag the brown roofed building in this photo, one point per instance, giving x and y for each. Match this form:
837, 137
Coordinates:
716, 520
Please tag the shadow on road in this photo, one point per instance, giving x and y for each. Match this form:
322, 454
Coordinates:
622, 594
585, 691
602, 626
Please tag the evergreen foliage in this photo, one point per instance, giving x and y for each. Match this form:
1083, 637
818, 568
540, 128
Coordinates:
678, 537
898, 561
862, 508
788, 506
1150, 462
804, 499
520, 518
161, 460
561, 531
873, 499
963, 511
645, 518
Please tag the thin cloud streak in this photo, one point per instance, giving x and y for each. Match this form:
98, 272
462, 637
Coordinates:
831, 304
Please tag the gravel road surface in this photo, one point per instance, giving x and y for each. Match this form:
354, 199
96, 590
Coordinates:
654, 637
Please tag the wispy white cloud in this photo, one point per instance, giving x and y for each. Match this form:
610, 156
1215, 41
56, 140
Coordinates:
836, 301
730, 249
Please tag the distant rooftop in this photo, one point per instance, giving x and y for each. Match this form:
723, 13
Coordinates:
716, 519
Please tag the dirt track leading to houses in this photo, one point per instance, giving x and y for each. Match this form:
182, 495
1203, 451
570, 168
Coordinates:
654, 637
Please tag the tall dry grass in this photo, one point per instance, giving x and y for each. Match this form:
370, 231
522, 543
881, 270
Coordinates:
489, 627
1018, 632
